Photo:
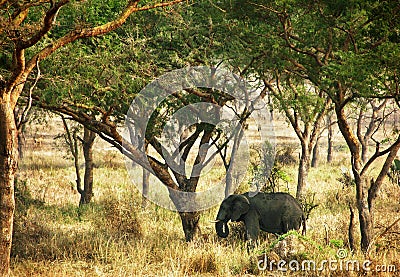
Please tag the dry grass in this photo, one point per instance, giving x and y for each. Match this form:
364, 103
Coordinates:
114, 236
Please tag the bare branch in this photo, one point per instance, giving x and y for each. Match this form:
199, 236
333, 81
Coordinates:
72, 143
379, 153
24, 116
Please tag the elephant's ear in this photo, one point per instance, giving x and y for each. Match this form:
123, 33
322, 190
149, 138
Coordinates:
240, 206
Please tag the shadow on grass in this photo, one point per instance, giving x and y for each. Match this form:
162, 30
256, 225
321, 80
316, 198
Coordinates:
51, 232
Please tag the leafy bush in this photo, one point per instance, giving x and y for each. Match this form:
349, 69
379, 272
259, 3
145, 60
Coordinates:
394, 172
267, 170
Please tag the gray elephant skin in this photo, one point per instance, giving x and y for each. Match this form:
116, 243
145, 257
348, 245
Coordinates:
271, 212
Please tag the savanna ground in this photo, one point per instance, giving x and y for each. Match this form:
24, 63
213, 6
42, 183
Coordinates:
114, 236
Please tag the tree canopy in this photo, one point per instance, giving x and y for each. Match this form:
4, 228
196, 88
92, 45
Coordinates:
346, 49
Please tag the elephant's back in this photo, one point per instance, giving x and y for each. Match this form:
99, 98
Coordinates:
279, 203
276, 196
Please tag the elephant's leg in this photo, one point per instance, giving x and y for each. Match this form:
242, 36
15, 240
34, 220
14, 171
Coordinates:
291, 223
252, 223
287, 222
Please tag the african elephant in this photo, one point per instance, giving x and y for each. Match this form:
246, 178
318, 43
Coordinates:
271, 212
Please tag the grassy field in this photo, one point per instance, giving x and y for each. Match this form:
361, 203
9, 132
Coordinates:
114, 236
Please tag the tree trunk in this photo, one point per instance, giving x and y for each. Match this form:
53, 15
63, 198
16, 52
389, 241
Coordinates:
21, 117
145, 192
190, 220
315, 153
366, 225
232, 162
329, 156
304, 166
364, 151
365, 217
8, 167
190, 224
364, 212
87, 145
351, 229
145, 181
21, 143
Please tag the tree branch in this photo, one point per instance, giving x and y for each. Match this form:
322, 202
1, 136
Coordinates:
378, 154
48, 22
24, 116
132, 7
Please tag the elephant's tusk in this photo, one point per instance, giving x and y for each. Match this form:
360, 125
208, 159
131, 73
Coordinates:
215, 221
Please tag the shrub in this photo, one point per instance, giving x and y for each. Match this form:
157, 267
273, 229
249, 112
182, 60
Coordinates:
116, 218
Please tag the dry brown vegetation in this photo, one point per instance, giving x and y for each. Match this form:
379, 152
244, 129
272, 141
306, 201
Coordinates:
114, 236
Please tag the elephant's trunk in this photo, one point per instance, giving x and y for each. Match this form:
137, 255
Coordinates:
222, 228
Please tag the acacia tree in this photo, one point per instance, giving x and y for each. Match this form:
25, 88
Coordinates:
349, 51
193, 150
72, 139
26, 40
304, 108
255, 49
100, 88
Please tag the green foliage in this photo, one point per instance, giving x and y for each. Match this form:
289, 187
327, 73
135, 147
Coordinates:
282, 237
394, 172
105, 73
294, 233
100, 79
360, 35
108, 70
337, 243
266, 172
396, 165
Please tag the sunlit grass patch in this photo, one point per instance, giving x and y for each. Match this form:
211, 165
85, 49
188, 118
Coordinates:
115, 236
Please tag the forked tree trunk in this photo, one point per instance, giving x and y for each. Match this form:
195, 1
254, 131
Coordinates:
73, 139
190, 220
372, 122
8, 167
363, 207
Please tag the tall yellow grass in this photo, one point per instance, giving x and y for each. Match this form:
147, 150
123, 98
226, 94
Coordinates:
114, 236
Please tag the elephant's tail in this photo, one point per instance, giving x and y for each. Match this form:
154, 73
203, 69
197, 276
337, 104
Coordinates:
304, 230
